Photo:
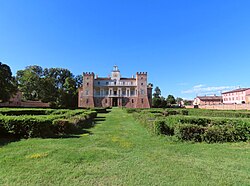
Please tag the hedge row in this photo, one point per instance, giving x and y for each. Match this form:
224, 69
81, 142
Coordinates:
45, 126
197, 129
21, 111
226, 133
219, 113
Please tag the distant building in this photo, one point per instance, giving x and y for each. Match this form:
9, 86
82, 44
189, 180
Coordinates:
115, 91
207, 100
238, 96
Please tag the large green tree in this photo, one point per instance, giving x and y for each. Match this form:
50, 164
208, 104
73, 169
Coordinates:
29, 82
8, 85
170, 100
57, 86
157, 100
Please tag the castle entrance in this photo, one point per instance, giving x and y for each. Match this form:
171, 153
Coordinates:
115, 102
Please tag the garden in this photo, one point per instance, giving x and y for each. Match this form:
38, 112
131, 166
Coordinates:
196, 125
43, 123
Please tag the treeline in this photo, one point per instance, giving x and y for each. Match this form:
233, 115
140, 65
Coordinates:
57, 86
159, 101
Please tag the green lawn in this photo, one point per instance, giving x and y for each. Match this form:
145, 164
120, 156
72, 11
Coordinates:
119, 151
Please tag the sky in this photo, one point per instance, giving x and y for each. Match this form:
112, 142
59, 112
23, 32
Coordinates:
188, 47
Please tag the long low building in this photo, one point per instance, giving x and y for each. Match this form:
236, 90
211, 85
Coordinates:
237, 96
208, 100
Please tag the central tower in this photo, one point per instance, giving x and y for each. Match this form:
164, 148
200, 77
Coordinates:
115, 74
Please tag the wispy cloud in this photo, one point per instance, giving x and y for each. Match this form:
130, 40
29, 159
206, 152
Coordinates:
203, 89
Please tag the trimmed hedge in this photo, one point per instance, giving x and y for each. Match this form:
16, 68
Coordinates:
219, 113
19, 112
194, 128
47, 125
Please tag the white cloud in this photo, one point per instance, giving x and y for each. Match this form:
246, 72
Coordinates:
203, 89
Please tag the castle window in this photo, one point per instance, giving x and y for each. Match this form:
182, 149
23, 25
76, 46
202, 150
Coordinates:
98, 82
141, 77
87, 84
141, 83
142, 92
132, 100
142, 101
107, 83
87, 101
106, 101
131, 83
86, 92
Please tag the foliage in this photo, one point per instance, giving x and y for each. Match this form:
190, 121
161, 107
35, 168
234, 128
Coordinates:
197, 128
170, 100
157, 92
8, 85
56, 86
26, 123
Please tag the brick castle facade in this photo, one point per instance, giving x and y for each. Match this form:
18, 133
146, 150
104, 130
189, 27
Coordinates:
115, 91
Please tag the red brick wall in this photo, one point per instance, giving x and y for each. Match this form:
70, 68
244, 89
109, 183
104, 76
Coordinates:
86, 93
142, 99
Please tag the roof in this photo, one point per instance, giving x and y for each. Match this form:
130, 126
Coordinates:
210, 98
103, 78
127, 79
236, 90
108, 78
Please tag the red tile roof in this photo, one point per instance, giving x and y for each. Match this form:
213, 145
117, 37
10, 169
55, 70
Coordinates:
210, 98
236, 90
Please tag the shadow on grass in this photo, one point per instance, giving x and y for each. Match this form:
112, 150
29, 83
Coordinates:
4, 140
77, 134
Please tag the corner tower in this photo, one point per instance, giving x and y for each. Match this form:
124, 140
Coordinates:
142, 90
86, 93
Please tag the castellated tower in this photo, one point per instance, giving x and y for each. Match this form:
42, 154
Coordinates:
86, 95
142, 90
115, 91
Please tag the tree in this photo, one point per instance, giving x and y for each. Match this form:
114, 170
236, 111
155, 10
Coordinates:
8, 85
170, 100
157, 92
29, 82
157, 101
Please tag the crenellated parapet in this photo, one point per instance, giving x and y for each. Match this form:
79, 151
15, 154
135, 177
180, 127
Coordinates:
141, 73
88, 74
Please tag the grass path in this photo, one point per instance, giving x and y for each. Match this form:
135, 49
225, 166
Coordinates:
119, 151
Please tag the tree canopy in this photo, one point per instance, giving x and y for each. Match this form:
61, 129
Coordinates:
58, 86
8, 85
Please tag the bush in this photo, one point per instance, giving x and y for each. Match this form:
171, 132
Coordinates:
184, 112
26, 126
63, 126
131, 110
21, 111
226, 133
189, 132
160, 127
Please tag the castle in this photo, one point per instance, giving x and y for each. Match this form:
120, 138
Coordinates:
115, 91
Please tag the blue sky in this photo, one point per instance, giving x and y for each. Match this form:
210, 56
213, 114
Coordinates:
188, 47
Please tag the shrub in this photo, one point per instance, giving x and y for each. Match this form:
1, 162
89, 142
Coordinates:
131, 110
160, 127
184, 112
63, 126
189, 132
46, 125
